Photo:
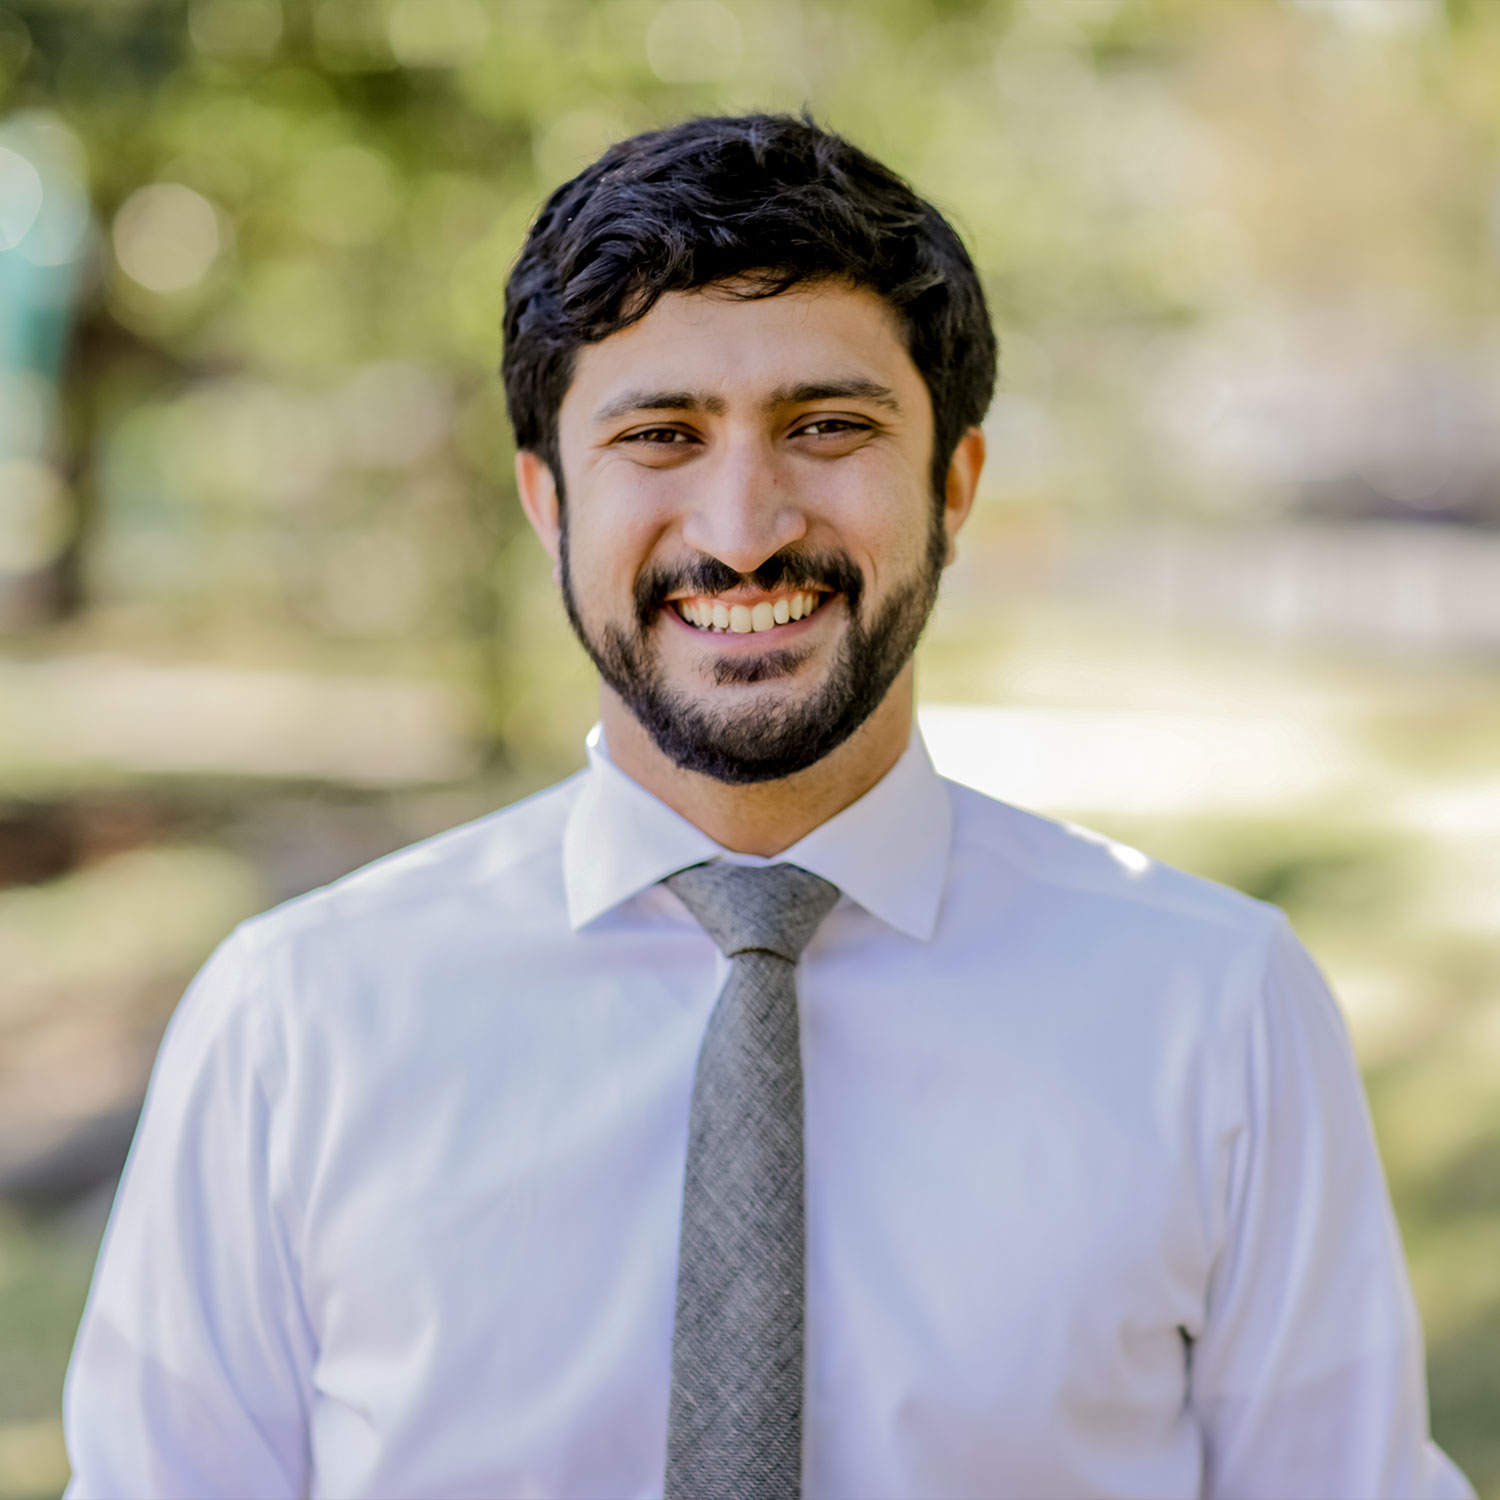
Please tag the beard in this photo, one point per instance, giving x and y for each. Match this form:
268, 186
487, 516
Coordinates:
777, 737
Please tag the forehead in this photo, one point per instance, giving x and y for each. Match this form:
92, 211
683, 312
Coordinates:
743, 348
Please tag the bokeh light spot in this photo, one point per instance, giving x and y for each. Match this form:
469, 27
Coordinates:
60, 234
693, 41
20, 197
235, 28
167, 237
436, 33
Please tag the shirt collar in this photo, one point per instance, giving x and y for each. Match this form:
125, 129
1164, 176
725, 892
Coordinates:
888, 851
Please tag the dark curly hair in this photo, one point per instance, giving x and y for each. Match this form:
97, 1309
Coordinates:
765, 202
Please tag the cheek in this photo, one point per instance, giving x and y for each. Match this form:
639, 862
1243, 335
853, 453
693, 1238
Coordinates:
883, 526
611, 538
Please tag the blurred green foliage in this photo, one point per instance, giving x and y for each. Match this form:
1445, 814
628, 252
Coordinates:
281, 431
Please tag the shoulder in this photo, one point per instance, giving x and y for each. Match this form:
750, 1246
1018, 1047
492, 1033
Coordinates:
1066, 858
1102, 889
371, 951
1174, 970
507, 864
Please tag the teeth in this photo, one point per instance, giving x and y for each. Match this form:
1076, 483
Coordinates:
742, 619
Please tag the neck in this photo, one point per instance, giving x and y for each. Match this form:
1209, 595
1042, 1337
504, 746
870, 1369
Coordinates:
769, 816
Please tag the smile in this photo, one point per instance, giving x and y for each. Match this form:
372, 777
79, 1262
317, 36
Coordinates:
745, 619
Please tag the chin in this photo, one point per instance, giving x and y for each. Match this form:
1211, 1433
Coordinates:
744, 714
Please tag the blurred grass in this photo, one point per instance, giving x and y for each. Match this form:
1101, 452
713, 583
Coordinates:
45, 1265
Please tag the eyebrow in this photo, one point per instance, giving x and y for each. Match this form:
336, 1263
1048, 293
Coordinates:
631, 401
853, 388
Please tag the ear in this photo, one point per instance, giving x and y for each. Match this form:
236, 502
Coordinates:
538, 491
961, 486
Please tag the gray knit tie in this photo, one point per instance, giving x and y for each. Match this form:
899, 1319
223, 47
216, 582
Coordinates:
734, 1428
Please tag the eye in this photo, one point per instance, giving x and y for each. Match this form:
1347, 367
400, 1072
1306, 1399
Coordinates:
658, 437
832, 427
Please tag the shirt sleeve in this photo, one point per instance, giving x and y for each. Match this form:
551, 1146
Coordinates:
191, 1369
1308, 1377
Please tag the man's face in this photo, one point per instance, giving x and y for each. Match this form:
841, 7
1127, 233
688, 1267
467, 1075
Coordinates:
750, 545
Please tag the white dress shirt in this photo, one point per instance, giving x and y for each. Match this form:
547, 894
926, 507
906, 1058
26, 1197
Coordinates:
1093, 1205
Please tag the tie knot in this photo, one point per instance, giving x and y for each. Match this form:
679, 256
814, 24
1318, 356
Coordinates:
773, 908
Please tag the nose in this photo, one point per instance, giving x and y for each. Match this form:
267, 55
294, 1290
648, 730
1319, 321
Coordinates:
744, 511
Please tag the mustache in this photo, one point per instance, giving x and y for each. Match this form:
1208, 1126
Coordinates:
791, 568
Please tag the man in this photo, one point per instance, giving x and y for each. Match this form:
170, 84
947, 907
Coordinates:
755, 1114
